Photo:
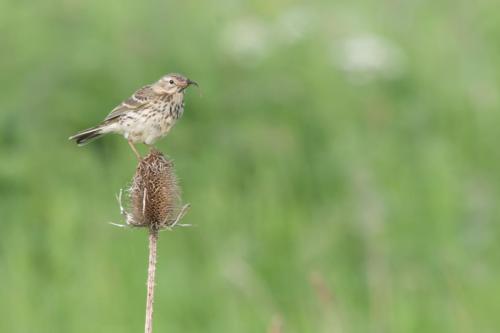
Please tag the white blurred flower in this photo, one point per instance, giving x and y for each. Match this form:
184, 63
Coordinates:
250, 39
246, 39
368, 57
293, 24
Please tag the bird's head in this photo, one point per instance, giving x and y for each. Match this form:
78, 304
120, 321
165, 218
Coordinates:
172, 83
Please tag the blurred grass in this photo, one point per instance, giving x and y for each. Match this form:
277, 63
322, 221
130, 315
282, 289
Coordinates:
384, 190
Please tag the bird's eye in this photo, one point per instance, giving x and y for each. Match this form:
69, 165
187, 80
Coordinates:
171, 81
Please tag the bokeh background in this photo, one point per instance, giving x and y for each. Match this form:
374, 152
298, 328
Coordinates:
342, 163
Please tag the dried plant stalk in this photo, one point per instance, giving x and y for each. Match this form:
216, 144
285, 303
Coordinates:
154, 204
153, 241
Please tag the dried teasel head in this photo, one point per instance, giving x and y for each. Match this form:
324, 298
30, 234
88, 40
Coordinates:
154, 194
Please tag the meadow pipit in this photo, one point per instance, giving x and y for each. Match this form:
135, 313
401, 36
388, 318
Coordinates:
146, 116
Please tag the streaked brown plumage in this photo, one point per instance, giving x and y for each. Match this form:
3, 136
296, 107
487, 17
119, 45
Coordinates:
146, 116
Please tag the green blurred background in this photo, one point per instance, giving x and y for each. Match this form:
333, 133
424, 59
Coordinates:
342, 163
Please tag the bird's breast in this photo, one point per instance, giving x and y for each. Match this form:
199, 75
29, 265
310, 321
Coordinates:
153, 121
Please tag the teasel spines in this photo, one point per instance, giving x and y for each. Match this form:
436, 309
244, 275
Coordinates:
154, 193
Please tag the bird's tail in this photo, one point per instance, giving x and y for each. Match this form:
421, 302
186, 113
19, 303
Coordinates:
87, 135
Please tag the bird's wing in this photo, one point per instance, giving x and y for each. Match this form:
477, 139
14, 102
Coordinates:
134, 102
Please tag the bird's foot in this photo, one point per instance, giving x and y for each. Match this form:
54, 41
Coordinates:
152, 148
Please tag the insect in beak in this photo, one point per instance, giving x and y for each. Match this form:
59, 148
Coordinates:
190, 82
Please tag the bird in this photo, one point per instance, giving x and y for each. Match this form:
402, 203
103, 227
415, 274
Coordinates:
146, 116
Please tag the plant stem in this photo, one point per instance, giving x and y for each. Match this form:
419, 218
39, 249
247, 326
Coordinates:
153, 240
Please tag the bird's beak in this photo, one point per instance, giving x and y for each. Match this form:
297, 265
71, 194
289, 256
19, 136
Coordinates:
190, 82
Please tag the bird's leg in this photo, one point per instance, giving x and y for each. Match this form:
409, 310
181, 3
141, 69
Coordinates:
134, 150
